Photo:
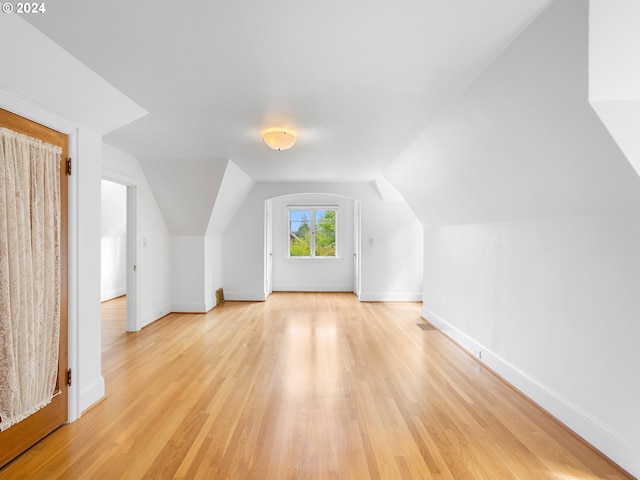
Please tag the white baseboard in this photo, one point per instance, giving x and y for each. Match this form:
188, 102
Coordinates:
364, 297
110, 294
240, 296
92, 394
584, 425
209, 304
320, 287
189, 308
154, 315
391, 297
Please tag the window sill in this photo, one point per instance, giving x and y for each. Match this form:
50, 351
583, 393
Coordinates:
313, 259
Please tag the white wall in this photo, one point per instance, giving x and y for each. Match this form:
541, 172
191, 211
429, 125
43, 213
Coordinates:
552, 305
154, 262
391, 267
234, 188
326, 275
113, 267
391, 250
113, 242
613, 52
187, 273
213, 263
532, 238
87, 252
197, 240
614, 70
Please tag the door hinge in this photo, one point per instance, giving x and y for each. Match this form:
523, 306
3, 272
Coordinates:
68, 166
68, 377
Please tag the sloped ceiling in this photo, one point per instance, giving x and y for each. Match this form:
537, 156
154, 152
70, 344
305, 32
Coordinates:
186, 191
235, 186
358, 81
614, 71
522, 142
41, 72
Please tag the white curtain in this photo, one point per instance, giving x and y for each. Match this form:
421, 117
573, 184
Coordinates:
29, 274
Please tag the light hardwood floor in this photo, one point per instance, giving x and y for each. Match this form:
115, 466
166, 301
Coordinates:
113, 318
305, 386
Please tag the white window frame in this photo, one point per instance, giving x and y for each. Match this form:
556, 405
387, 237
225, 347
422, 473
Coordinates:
312, 211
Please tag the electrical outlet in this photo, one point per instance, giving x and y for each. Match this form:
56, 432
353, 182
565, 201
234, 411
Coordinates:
477, 353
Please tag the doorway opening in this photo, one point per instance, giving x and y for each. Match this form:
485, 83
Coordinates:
113, 261
119, 254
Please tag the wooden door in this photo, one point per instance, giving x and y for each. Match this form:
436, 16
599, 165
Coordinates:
23, 435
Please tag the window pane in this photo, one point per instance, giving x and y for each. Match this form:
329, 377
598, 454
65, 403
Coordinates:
299, 233
325, 233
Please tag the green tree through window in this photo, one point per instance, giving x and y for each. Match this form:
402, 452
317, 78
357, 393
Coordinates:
325, 245
312, 233
299, 233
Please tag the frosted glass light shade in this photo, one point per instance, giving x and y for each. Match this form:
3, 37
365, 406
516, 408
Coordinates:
279, 139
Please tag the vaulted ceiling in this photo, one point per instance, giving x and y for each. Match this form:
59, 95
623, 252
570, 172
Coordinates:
358, 81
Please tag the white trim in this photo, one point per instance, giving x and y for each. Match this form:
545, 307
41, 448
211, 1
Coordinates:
390, 296
19, 105
117, 177
357, 227
73, 285
151, 317
313, 206
189, 308
111, 294
133, 260
134, 322
573, 417
92, 394
245, 296
209, 303
268, 247
313, 287
314, 260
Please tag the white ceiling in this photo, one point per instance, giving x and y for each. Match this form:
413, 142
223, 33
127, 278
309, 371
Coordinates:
358, 81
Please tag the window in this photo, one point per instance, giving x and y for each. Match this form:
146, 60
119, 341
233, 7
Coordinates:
312, 232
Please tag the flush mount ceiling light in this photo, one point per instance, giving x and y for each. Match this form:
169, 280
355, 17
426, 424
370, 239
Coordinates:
279, 138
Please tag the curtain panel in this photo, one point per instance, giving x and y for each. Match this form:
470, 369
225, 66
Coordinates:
29, 274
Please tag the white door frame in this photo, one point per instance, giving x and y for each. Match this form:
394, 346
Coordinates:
133, 233
268, 242
356, 248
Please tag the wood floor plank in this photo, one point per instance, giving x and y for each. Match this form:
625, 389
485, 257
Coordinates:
316, 386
